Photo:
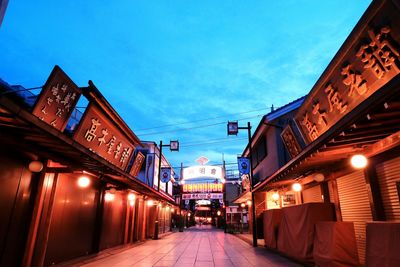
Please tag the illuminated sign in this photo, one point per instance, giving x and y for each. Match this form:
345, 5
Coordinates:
203, 202
212, 172
100, 135
203, 196
203, 187
57, 99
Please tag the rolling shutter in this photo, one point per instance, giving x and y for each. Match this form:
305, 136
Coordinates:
312, 194
388, 174
355, 207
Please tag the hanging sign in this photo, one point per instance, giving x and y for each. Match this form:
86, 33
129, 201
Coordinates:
290, 141
137, 164
165, 174
243, 165
57, 99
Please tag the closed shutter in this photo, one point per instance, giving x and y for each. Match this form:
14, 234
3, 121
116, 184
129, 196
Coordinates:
330, 188
312, 194
355, 207
388, 174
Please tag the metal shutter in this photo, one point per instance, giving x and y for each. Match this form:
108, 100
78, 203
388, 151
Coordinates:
312, 194
330, 187
355, 207
388, 174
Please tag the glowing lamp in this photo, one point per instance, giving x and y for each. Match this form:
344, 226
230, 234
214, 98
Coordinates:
218, 213
150, 202
359, 161
35, 166
318, 177
83, 181
275, 196
167, 207
248, 203
132, 203
113, 190
242, 205
172, 210
109, 197
296, 187
189, 214
131, 196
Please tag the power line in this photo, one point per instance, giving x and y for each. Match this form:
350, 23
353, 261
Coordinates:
208, 140
189, 122
210, 143
196, 127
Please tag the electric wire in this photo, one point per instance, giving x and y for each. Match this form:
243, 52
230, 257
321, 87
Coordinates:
211, 143
209, 140
197, 127
200, 120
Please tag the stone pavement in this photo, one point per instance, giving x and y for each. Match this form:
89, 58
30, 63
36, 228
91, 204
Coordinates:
195, 247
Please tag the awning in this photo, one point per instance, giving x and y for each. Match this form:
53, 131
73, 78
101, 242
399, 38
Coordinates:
370, 128
24, 131
243, 198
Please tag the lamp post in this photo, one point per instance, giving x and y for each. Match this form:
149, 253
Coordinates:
173, 146
233, 129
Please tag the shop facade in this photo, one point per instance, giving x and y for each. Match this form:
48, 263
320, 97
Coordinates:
71, 177
352, 110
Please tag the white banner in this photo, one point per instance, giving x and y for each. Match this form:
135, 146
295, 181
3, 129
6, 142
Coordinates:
165, 174
203, 196
212, 172
243, 165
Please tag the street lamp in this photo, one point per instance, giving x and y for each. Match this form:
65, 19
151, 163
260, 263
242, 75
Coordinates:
173, 146
233, 129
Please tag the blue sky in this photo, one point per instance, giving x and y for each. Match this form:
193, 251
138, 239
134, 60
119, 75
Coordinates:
174, 62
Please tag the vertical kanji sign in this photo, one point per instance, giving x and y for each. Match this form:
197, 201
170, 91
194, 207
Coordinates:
137, 164
57, 99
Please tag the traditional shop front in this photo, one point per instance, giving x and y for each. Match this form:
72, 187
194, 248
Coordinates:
70, 186
353, 109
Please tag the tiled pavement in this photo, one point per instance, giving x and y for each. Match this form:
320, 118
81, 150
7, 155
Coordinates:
194, 247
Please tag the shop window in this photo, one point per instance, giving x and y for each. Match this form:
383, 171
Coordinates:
259, 152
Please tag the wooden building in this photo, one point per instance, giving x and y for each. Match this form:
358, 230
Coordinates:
353, 109
69, 179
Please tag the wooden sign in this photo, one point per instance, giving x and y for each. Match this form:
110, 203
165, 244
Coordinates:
368, 60
57, 99
290, 141
98, 133
137, 164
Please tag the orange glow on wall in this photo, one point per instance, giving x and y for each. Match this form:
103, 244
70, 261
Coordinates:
109, 197
131, 196
83, 181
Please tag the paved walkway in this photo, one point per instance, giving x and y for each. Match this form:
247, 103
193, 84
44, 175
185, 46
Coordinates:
201, 247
